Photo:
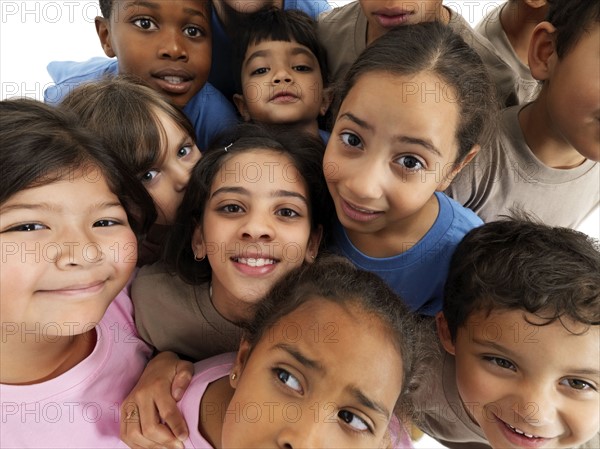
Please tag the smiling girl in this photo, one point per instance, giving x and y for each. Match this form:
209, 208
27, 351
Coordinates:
69, 215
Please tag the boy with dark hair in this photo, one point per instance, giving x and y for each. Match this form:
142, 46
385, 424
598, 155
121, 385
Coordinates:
165, 44
544, 159
520, 329
281, 71
509, 27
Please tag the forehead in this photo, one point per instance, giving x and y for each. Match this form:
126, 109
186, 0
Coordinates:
340, 338
190, 7
420, 105
260, 169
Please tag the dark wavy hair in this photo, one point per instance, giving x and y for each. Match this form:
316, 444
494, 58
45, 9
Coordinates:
306, 154
518, 264
40, 144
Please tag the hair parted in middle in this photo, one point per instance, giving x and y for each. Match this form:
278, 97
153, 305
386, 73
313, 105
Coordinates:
433, 47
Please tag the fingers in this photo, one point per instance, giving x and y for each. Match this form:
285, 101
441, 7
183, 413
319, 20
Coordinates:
184, 372
145, 429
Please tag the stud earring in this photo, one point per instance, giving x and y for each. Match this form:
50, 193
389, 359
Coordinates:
233, 376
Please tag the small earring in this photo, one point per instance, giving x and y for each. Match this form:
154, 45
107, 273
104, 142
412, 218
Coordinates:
199, 259
233, 376
312, 257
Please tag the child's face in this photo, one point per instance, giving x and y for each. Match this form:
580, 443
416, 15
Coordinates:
167, 182
393, 145
573, 95
325, 376
67, 251
383, 15
516, 378
256, 228
167, 44
282, 84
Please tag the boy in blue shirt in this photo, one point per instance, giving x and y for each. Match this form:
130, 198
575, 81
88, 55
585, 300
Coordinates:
165, 44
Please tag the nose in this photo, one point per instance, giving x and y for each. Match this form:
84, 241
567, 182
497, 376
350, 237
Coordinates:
257, 226
75, 250
306, 433
366, 180
537, 405
180, 177
172, 46
282, 75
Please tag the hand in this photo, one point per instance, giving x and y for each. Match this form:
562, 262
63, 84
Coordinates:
149, 415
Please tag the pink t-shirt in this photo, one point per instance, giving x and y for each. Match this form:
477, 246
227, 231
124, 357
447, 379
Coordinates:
80, 408
205, 372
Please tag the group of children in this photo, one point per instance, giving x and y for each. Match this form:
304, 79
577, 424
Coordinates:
372, 127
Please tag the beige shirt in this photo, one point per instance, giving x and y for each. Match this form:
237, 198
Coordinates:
490, 27
343, 33
508, 175
443, 415
174, 316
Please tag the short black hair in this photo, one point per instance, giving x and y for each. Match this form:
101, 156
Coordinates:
275, 24
519, 264
571, 18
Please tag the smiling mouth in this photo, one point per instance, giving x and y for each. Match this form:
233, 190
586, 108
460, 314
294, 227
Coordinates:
520, 432
254, 261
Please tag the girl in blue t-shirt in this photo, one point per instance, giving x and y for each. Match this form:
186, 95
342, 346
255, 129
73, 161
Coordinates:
412, 111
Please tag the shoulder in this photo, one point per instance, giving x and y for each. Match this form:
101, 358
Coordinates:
313, 8
346, 13
463, 219
67, 75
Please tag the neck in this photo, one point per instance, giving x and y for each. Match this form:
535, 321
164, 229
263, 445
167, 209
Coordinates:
311, 127
218, 395
232, 309
400, 238
542, 137
28, 358
518, 21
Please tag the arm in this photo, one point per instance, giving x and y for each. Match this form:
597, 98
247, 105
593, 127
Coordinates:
149, 415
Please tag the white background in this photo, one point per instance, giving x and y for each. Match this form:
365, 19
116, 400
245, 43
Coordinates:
35, 32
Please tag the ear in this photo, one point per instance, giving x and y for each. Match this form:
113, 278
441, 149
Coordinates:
444, 333
326, 100
242, 107
240, 362
314, 241
103, 30
198, 246
458, 167
542, 51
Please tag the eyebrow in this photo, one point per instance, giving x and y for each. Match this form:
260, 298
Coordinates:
373, 405
301, 358
494, 345
264, 53
155, 6
427, 144
276, 194
317, 366
55, 207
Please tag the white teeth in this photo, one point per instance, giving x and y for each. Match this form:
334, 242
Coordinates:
520, 432
252, 262
173, 79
